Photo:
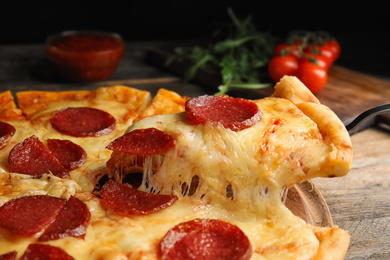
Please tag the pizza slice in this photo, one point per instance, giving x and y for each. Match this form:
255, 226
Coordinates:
233, 160
164, 102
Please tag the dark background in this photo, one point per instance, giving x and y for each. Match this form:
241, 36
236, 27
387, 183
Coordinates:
362, 30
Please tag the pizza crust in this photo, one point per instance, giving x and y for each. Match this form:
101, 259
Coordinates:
8, 109
334, 243
164, 102
291, 88
330, 126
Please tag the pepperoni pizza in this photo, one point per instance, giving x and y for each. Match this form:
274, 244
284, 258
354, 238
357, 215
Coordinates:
112, 174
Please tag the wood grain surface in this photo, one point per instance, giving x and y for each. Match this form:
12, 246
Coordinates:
358, 202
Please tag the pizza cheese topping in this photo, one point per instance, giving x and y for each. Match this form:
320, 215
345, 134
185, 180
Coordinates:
128, 201
32, 157
233, 113
83, 122
207, 239
6, 132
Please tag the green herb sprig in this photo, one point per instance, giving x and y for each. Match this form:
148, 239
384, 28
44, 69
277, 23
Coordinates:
239, 56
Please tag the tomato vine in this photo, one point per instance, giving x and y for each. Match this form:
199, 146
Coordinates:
314, 52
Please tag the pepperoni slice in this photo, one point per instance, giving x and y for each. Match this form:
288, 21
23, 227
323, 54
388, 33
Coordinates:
205, 239
146, 141
28, 215
9, 256
70, 155
32, 157
128, 201
45, 252
72, 220
83, 122
6, 132
233, 113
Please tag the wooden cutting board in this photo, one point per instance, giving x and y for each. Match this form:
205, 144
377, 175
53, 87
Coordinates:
347, 92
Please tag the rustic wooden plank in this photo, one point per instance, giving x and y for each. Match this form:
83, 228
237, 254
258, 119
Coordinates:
360, 201
349, 93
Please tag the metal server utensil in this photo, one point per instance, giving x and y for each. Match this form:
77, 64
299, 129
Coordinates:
365, 119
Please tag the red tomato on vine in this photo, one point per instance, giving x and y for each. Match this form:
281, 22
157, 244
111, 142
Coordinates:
334, 46
320, 60
284, 49
282, 65
326, 51
314, 53
312, 76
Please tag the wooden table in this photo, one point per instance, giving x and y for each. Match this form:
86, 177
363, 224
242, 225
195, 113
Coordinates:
359, 202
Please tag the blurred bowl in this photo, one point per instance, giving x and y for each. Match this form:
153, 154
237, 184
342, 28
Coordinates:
85, 56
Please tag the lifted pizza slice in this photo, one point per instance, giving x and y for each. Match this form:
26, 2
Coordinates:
234, 159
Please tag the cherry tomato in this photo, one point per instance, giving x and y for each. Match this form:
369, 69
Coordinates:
335, 47
313, 76
284, 49
282, 65
278, 50
320, 60
326, 51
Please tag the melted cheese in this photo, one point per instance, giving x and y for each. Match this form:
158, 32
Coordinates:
240, 176
14, 185
252, 165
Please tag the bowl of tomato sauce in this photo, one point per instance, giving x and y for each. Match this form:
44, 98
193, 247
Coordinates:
85, 56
